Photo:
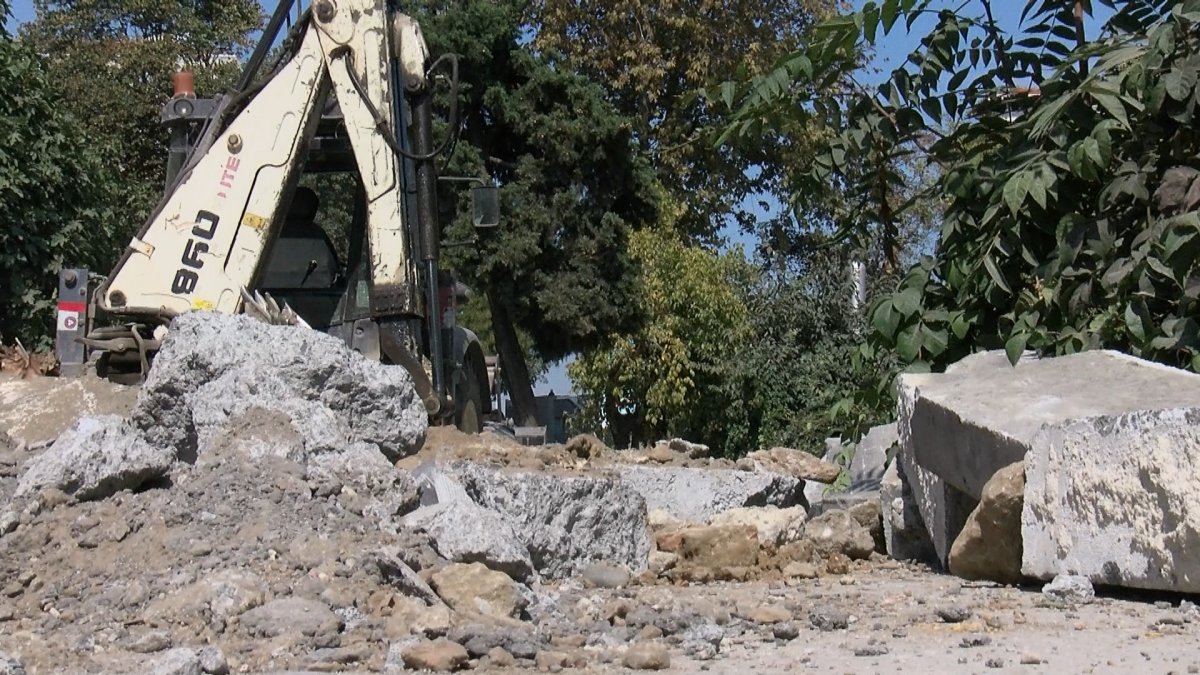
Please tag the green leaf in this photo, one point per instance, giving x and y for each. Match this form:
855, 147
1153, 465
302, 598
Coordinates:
908, 344
890, 9
1015, 191
1015, 346
994, 272
907, 301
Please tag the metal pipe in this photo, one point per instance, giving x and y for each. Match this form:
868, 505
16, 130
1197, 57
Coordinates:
429, 235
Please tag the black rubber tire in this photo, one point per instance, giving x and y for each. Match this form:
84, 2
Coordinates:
468, 402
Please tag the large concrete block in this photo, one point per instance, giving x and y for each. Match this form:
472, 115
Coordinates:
1115, 498
943, 508
904, 531
981, 415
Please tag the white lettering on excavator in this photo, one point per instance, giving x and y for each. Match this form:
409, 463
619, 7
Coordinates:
231, 167
203, 231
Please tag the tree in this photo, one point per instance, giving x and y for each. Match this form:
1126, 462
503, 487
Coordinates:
572, 185
52, 194
1068, 172
654, 57
676, 375
115, 61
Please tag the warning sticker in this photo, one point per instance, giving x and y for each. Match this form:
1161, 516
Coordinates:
254, 221
68, 320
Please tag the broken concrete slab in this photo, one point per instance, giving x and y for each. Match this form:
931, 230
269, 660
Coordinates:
904, 533
464, 532
37, 410
565, 521
775, 526
213, 367
97, 457
794, 463
865, 467
1114, 498
695, 494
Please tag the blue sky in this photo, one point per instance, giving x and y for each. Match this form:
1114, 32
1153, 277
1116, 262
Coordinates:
890, 52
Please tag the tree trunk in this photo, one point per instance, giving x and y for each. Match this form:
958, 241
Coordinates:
512, 360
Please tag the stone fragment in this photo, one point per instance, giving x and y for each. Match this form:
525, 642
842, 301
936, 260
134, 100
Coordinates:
696, 494
837, 532
646, 656
785, 631
212, 661
775, 526
223, 594
719, 547
498, 657
587, 446
800, 570
688, 449
867, 513
829, 619
904, 533
97, 457
11, 665
301, 616
865, 466
214, 367
178, 661
1070, 588
565, 522
989, 546
439, 656
795, 463
764, 614
474, 588
463, 531
411, 616
604, 575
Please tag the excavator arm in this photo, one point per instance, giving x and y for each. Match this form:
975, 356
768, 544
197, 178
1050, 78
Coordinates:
210, 236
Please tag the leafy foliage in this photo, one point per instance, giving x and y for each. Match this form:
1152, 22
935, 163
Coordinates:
677, 375
651, 57
52, 195
1068, 173
113, 63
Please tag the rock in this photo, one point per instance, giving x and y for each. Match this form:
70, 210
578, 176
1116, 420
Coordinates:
516, 638
775, 526
1113, 497
389, 492
440, 655
838, 532
212, 661
904, 533
785, 631
222, 595
148, 643
474, 588
660, 453
953, 613
865, 465
696, 494
795, 463
1070, 588
661, 561
587, 446
11, 665
867, 513
646, 656
214, 367
178, 661
765, 614
800, 570
829, 619
719, 547
604, 575
552, 661
565, 522
386, 565
989, 546
498, 657
688, 449
96, 458
293, 615
411, 616
463, 531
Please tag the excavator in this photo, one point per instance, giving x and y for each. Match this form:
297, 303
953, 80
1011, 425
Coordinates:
342, 86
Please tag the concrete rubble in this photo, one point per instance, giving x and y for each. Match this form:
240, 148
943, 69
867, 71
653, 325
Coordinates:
256, 517
1109, 442
868, 460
